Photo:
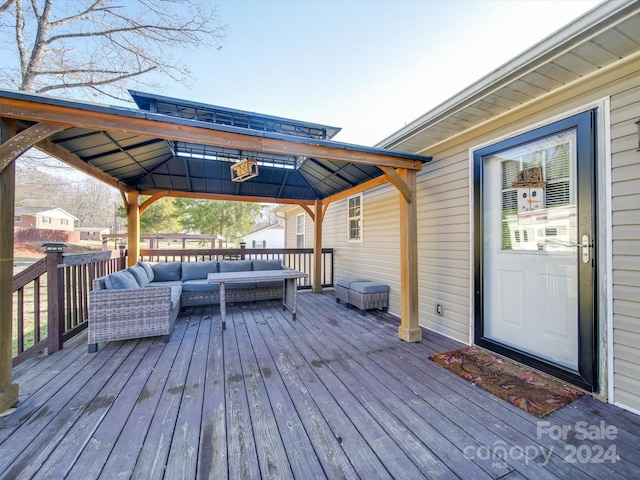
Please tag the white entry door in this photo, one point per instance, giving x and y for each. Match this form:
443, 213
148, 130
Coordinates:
534, 257
530, 269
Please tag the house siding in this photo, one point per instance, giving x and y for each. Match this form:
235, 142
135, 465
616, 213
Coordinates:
620, 85
445, 220
625, 177
443, 245
451, 159
377, 256
290, 227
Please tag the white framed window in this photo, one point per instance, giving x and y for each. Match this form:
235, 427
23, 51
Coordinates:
300, 230
354, 218
17, 218
64, 221
46, 220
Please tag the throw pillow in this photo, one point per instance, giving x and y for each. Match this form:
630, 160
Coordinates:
140, 275
122, 280
147, 269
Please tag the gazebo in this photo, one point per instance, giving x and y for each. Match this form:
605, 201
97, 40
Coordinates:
169, 147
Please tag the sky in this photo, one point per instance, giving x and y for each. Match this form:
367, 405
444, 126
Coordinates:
369, 67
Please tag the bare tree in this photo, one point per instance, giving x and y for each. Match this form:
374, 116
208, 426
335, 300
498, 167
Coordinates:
94, 48
101, 47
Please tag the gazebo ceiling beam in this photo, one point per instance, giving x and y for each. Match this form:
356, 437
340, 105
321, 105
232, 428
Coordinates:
374, 182
107, 121
220, 196
56, 151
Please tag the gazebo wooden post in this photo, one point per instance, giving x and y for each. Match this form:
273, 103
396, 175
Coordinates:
317, 248
133, 227
8, 390
409, 329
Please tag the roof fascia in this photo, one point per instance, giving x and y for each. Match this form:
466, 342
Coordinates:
65, 213
594, 21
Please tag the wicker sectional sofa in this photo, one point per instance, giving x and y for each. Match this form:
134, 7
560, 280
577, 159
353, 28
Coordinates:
145, 300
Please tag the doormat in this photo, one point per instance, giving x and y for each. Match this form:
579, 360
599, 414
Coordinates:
531, 391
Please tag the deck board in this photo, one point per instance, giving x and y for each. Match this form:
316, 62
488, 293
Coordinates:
334, 394
212, 452
152, 460
333, 459
100, 424
343, 427
463, 410
126, 449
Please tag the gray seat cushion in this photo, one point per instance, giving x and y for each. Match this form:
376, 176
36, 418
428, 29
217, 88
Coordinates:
236, 266
176, 291
166, 272
198, 270
165, 284
346, 282
369, 287
260, 265
199, 286
238, 286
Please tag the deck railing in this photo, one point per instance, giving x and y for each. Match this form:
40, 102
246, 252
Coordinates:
51, 299
298, 258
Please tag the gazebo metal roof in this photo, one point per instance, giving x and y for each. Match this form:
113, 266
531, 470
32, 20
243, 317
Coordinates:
174, 163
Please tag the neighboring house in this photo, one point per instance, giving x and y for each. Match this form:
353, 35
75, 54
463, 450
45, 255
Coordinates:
92, 233
529, 212
45, 218
268, 237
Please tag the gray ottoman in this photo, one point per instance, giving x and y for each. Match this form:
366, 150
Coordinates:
367, 295
342, 288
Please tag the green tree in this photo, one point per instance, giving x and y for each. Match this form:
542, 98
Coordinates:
160, 217
225, 218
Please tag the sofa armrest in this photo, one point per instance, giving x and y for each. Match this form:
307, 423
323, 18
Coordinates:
129, 313
134, 297
141, 303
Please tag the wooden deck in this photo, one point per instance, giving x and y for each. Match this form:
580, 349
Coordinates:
333, 395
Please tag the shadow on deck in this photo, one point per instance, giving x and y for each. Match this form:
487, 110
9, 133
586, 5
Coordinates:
333, 395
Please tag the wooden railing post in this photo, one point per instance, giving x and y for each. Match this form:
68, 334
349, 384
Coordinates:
243, 246
123, 256
55, 296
